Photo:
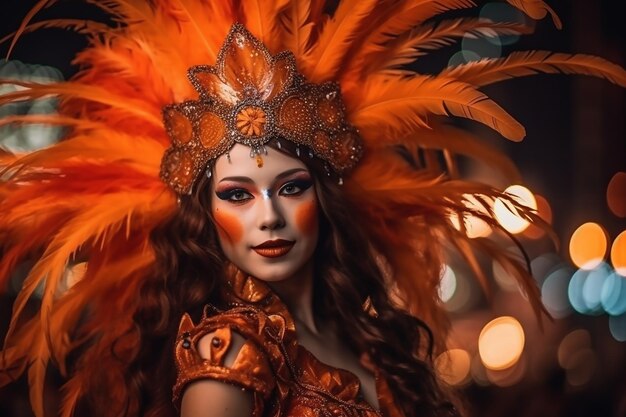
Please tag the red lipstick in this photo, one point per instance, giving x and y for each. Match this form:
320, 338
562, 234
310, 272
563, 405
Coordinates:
274, 248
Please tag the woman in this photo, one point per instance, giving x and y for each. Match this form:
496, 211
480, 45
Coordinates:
320, 266
283, 198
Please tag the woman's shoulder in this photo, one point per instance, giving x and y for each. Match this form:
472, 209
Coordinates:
227, 353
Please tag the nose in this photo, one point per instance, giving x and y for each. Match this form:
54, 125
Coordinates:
270, 216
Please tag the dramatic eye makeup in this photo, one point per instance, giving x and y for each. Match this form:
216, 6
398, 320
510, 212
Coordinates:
233, 194
291, 183
295, 187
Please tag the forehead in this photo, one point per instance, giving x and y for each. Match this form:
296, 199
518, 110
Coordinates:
242, 165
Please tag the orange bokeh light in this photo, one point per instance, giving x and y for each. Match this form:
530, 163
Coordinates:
588, 245
453, 366
616, 194
501, 343
618, 254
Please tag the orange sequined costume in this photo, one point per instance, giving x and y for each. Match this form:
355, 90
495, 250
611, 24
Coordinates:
284, 377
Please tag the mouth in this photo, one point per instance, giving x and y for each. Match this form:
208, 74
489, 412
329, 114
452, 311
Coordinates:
274, 248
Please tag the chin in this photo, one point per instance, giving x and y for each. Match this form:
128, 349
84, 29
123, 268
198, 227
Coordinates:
276, 272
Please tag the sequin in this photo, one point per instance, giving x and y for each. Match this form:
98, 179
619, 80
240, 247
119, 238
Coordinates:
295, 116
210, 130
178, 126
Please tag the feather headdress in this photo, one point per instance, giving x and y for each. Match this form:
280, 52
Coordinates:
97, 193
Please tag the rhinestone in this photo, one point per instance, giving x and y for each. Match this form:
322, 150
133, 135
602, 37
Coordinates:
298, 150
331, 95
340, 181
311, 154
216, 342
240, 40
278, 144
208, 173
186, 344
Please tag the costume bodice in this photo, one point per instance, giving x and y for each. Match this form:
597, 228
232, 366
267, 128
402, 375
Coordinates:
285, 378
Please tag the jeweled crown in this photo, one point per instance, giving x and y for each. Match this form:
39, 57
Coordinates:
252, 97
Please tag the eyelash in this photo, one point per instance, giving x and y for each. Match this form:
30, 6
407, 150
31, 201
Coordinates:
303, 185
228, 195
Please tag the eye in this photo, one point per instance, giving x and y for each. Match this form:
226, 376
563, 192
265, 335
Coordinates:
235, 195
295, 188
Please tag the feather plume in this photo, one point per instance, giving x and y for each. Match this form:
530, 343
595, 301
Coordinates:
537, 9
327, 56
407, 47
80, 26
456, 142
182, 10
405, 104
37, 374
261, 18
87, 92
296, 23
393, 20
519, 64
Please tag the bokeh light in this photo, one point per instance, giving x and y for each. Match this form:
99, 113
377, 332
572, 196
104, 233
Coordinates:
463, 297
545, 212
617, 326
453, 366
618, 254
28, 137
501, 343
485, 48
576, 357
581, 367
462, 57
447, 285
502, 12
616, 194
572, 343
554, 292
588, 245
474, 226
509, 376
613, 294
585, 289
544, 264
507, 215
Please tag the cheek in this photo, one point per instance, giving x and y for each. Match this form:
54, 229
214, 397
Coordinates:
306, 217
228, 226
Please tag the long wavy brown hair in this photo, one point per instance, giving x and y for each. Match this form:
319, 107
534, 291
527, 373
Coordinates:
190, 268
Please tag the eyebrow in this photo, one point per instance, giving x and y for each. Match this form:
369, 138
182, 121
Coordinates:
278, 177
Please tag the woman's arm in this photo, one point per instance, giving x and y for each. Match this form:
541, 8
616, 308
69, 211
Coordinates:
211, 398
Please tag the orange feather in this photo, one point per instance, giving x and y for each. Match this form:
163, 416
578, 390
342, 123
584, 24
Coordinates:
407, 47
405, 104
296, 23
519, 64
537, 9
327, 56
261, 18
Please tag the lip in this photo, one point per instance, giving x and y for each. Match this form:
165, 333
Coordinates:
274, 248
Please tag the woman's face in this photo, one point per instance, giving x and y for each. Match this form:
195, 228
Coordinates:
266, 217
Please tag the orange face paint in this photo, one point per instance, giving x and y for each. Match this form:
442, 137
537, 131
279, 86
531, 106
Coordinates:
228, 226
306, 217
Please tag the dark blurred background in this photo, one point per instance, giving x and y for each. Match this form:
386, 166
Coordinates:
574, 161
